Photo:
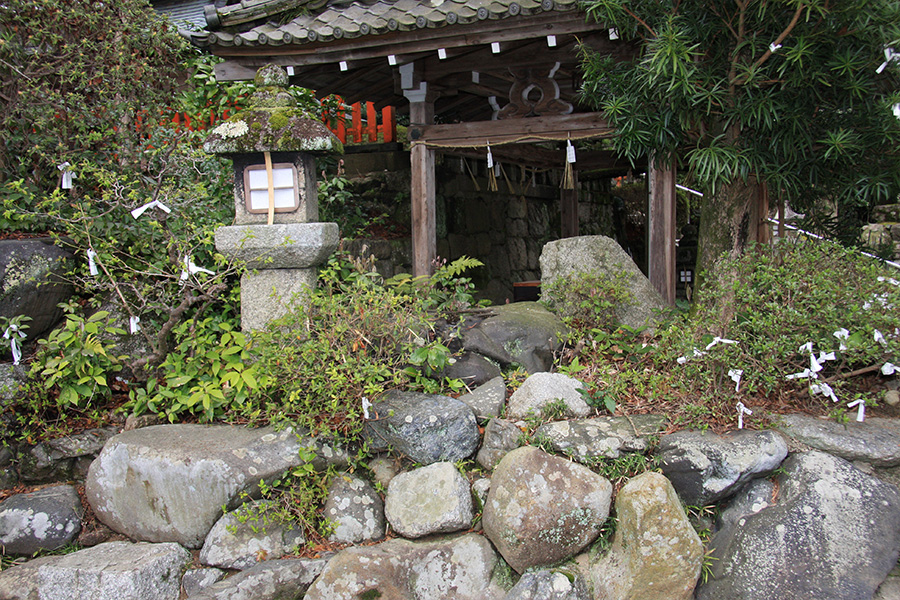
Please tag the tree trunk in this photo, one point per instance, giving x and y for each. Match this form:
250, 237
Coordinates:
729, 223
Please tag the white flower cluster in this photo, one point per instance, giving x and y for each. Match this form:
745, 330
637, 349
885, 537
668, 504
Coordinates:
231, 129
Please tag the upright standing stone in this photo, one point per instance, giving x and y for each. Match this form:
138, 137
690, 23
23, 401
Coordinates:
271, 145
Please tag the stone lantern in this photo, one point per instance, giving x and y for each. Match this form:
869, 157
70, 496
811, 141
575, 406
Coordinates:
272, 146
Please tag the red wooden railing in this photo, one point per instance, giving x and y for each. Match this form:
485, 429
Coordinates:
360, 129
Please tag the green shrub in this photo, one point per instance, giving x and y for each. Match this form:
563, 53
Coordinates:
353, 338
776, 299
75, 361
587, 301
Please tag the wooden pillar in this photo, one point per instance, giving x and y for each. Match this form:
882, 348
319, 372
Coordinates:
661, 229
569, 210
424, 234
763, 236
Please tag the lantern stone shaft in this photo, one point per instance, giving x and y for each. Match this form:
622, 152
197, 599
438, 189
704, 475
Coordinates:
272, 146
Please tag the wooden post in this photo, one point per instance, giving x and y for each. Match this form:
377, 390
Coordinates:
569, 210
661, 229
371, 122
763, 234
424, 233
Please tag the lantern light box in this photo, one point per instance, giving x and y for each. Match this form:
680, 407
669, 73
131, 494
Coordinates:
284, 184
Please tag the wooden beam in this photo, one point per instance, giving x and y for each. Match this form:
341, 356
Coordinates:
422, 191
533, 129
661, 229
396, 43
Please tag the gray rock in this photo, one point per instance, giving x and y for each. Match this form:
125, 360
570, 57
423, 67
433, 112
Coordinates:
601, 436
655, 552
272, 580
116, 571
42, 520
87, 443
889, 590
384, 468
432, 499
196, 580
425, 427
36, 465
876, 441
11, 377
603, 256
457, 568
32, 282
21, 582
473, 369
500, 438
549, 585
278, 246
705, 467
543, 509
525, 333
246, 536
487, 399
355, 509
480, 490
833, 532
753, 497
542, 388
170, 482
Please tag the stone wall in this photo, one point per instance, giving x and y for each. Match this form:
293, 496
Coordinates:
505, 229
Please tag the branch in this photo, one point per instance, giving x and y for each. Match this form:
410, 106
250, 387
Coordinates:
640, 20
787, 31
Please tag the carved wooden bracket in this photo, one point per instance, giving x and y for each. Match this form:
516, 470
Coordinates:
526, 83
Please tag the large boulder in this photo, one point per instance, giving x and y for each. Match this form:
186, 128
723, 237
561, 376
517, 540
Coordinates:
32, 282
655, 552
607, 437
427, 428
272, 580
600, 255
41, 520
705, 467
170, 482
355, 509
246, 536
525, 333
543, 509
458, 568
875, 440
432, 499
833, 532
540, 389
116, 570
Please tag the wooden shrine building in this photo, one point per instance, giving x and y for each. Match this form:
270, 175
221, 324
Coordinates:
470, 73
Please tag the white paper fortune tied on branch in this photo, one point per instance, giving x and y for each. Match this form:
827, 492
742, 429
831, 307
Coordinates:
92, 264
878, 337
718, 340
824, 389
889, 55
888, 369
366, 405
841, 334
742, 410
134, 324
191, 269
67, 176
773, 47
860, 405
11, 334
136, 213
735, 375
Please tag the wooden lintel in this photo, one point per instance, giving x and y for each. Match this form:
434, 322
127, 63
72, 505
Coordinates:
533, 129
244, 59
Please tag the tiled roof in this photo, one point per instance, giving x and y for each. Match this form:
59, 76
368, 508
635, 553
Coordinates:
342, 20
182, 11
